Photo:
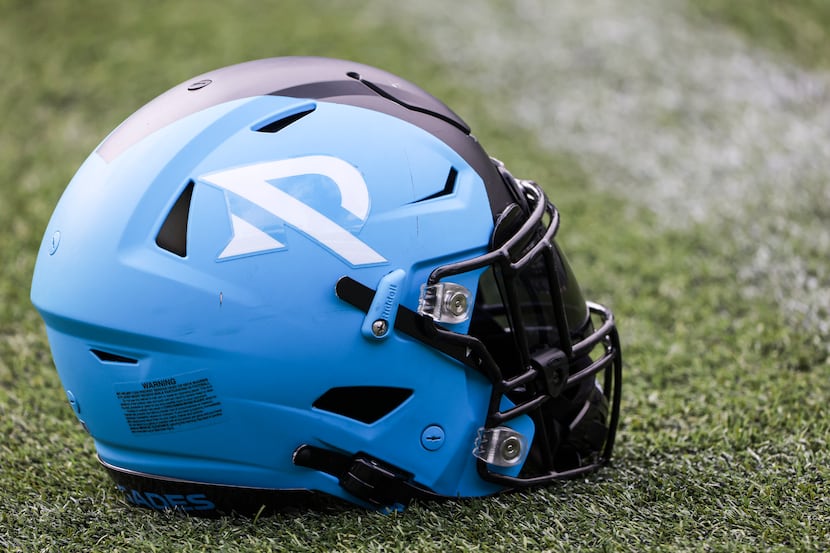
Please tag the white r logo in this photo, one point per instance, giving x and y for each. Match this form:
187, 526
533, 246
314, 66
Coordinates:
251, 183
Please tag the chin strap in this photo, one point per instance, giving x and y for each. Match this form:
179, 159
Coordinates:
375, 482
409, 322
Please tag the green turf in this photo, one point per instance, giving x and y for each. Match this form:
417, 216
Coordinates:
724, 438
799, 30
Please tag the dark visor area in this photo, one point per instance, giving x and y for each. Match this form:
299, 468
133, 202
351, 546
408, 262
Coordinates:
535, 311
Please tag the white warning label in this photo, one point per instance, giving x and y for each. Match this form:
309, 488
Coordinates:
168, 404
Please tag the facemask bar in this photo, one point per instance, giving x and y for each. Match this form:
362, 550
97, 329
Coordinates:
546, 371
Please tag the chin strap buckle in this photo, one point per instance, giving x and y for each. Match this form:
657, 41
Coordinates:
371, 480
552, 364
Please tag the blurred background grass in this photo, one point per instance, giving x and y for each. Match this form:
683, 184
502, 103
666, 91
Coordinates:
723, 444
798, 30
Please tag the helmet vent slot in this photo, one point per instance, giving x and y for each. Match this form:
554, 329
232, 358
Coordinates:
449, 186
109, 357
172, 235
280, 124
362, 403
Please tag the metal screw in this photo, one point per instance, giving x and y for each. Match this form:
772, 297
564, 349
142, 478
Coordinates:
458, 304
380, 328
510, 448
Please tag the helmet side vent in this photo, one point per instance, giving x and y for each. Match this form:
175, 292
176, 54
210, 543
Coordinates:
280, 124
366, 404
449, 187
172, 235
109, 357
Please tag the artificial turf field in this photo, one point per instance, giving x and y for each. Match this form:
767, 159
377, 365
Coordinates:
687, 145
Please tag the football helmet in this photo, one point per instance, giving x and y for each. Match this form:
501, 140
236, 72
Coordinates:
303, 277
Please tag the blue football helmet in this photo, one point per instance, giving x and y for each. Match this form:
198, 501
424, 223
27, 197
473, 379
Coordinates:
297, 278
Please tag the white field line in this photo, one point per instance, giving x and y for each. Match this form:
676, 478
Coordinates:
668, 112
